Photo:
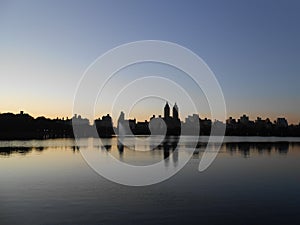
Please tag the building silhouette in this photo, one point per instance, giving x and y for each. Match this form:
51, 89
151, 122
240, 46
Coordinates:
104, 126
166, 111
126, 127
175, 111
168, 125
24, 126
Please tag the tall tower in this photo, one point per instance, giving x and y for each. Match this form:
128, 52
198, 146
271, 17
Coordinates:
120, 128
167, 110
175, 111
121, 118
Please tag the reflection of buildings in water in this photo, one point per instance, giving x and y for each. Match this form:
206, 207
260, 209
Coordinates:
166, 153
260, 147
120, 147
264, 147
19, 150
282, 147
106, 144
75, 148
107, 147
170, 148
40, 149
175, 157
244, 149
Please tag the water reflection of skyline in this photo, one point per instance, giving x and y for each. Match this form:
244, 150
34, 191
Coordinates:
166, 148
245, 148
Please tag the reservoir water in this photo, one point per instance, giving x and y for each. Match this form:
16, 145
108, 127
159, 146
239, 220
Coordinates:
252, 181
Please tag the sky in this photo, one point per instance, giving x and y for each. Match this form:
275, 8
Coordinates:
252, 47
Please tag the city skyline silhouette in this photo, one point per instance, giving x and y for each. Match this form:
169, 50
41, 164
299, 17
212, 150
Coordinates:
114, 119
24, 126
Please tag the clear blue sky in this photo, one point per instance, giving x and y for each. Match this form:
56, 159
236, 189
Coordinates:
253, 47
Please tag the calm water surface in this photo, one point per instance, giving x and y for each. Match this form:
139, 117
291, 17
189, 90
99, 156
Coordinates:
252, 181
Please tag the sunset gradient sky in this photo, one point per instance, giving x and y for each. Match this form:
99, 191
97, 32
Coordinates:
253, 47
